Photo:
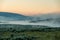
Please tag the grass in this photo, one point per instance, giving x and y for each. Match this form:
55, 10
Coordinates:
28, 32
30, 35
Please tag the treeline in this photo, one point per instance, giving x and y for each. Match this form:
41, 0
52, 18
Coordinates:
23, 28
29, 29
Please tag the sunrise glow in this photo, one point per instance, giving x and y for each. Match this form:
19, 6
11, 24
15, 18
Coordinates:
29, 7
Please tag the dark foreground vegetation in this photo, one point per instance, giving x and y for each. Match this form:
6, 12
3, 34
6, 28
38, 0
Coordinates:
28, 32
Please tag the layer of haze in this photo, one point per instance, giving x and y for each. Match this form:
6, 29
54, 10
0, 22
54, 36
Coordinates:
29, 7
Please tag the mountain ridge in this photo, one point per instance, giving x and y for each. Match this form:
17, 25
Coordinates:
13, 16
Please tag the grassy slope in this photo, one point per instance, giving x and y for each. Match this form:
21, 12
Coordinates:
28, 32
32, 35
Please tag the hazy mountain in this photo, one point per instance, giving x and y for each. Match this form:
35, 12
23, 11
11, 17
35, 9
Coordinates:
37, 18
52, 19
12, 16
46, 17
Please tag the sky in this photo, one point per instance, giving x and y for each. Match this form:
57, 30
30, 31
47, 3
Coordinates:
30, 7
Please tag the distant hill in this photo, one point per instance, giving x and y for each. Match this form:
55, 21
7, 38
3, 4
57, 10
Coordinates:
12, 16
46, 17
50, 19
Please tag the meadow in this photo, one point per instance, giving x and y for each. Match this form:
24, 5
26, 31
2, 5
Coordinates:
28, 32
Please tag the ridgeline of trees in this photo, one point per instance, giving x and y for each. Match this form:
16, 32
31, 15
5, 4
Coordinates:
23, 28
